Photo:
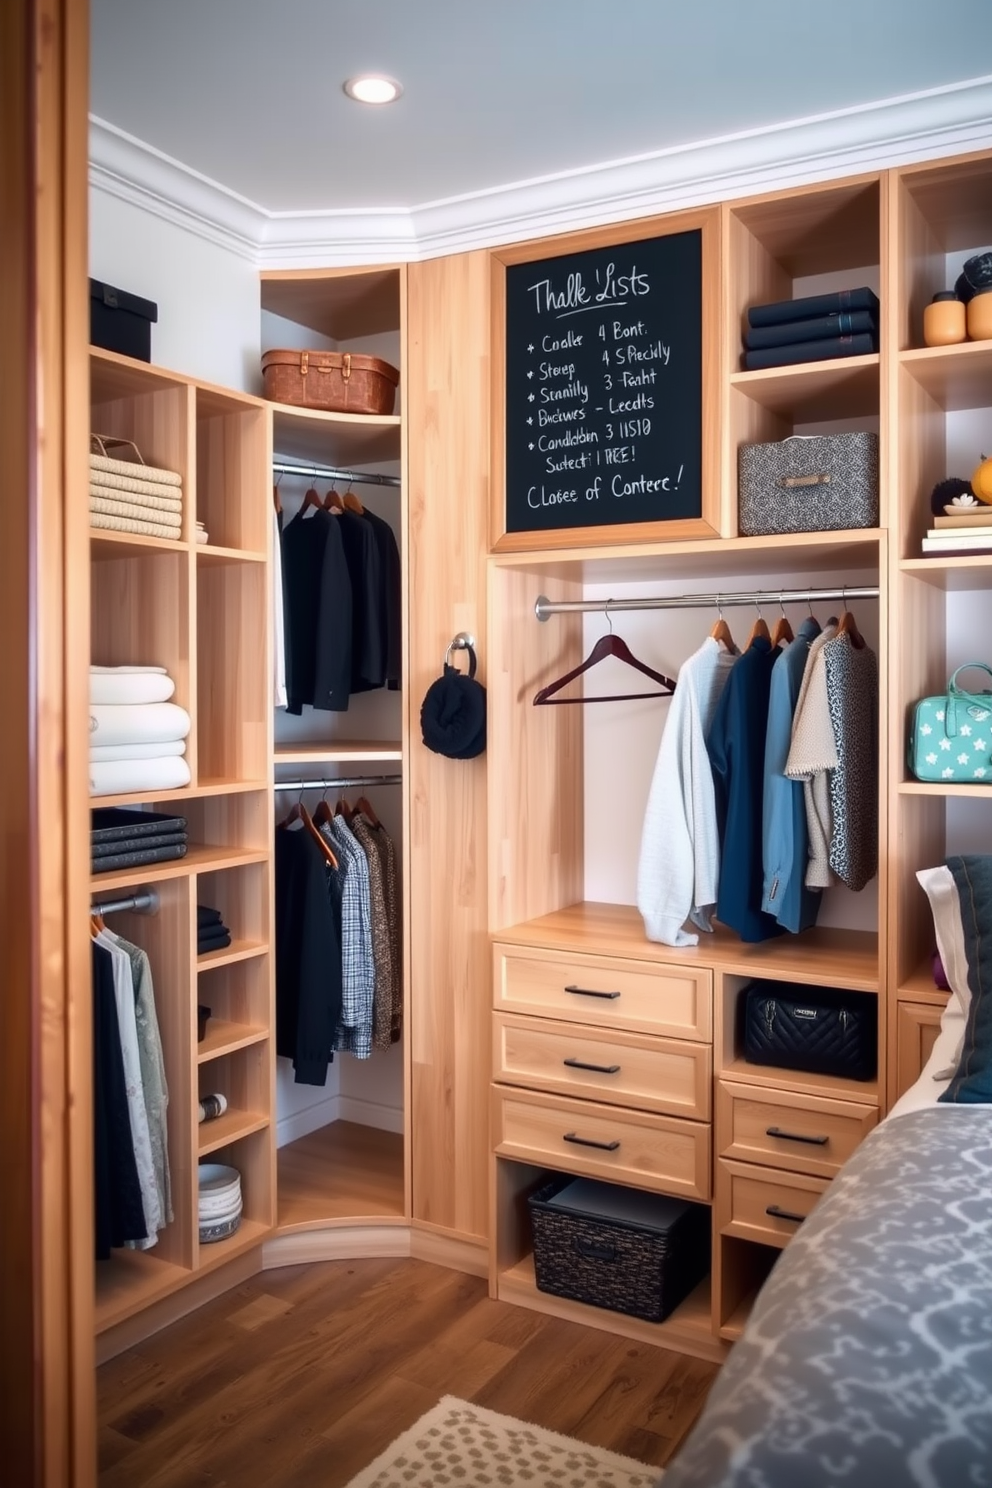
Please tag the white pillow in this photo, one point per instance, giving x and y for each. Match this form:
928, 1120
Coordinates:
939, 886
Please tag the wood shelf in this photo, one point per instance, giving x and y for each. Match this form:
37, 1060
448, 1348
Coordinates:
212, 553
920, 986
223, 1037
339, 751
249, 1234
131, 1280
199, 859
847, 958
771, 1077
184, 793
955, 377
935, 788
335, 303
341, 1173
230, 1127
689, 1329
955, 573
307, 434
815, 391
238, 950
106, 544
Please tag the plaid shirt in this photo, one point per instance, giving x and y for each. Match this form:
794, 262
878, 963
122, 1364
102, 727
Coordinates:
354, 1033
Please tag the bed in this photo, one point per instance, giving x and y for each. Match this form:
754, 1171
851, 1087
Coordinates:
867, 1359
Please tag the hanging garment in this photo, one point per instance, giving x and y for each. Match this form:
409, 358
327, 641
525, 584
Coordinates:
736, 746
308, 957
390, 597
154, 1085
387, 856
354, 1032
852, 695
118, 1209
382, 997
277, 605
368, 640
317, 609
679, 865
811, 754
784, 833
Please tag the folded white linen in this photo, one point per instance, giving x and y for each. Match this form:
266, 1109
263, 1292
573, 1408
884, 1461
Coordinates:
131, 687
137, 723
140, 499
109, 777
128, 510
136, 469
155, 749
129, 669
134, 484
131, 524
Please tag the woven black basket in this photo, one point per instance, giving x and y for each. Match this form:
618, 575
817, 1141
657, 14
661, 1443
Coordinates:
616, 1263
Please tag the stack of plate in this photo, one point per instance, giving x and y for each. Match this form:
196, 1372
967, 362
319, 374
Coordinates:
220, 1201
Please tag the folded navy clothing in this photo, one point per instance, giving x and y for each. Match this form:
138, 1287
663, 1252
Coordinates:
136, 844
809, 351
810, 306
823, 327
207, 916
137, 859
214, 943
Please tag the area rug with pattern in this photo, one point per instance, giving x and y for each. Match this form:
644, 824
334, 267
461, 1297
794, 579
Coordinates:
459, 1445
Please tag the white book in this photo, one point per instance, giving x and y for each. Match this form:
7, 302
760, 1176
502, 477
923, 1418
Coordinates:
963, 545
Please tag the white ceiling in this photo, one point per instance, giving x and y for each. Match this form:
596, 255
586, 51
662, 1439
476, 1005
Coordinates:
247, 93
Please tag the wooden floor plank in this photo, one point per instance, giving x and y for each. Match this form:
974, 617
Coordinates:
300, 1377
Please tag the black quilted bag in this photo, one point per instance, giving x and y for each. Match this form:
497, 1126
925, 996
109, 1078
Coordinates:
821, 1030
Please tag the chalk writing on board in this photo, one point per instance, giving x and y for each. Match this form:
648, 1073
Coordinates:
603, 405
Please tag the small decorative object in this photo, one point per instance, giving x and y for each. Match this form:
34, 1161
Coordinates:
975, 276
981, 480
944, 320
948, 494
951, 735
335, 381
453, 713
979, 316
220, 1201
212, 1106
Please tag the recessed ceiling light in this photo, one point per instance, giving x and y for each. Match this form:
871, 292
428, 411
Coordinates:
373, 89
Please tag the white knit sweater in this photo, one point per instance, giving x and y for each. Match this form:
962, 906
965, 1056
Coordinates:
680, 848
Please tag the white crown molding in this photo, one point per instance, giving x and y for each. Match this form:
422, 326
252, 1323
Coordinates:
895, 131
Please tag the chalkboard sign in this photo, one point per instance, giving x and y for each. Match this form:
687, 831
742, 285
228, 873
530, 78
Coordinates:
604, 386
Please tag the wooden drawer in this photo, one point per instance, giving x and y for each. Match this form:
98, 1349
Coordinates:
605, 991
761, 1204
803, 1133
625, 1069
655, 1152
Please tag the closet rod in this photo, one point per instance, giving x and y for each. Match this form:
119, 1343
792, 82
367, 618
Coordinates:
345, 782
331, 473
544, 608
147, 902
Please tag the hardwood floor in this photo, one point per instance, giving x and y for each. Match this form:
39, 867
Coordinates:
301, 1376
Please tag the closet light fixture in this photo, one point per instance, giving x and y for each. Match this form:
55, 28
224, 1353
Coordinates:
371, 88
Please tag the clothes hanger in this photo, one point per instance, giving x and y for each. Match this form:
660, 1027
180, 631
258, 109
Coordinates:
323, 815
783, 632
849, 626
759, 629
332, 501
276, 498
352, 503
343, 808
721, 630
364, 805
300, 813
311, 498
607, 645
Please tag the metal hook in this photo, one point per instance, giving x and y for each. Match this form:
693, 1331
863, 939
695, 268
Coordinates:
279, 476
781, 605
463, 641
719, 606
608, 620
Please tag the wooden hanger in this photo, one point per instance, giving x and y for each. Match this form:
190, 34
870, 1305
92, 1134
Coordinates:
276, 499
333, 502
323, 815
783, 632
849, 626
343, 808
311, 498
365, 807
352, 503
759, 629
96, 924
721, 631
607, 645
300, 813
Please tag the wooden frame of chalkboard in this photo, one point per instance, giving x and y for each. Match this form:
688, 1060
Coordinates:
606, 378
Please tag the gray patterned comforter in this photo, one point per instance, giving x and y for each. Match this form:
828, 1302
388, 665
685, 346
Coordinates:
867, 1360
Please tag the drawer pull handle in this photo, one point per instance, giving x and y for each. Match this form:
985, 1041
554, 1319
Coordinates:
593, 1252
777, 1213
588, 1142
776, 1131
588, 992
597, 1069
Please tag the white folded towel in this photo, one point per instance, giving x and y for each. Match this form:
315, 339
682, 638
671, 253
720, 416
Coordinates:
157, 749
137, 723
111, 777
117, 776
131, 687
121, 670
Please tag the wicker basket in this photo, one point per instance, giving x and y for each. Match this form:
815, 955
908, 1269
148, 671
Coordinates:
642, 1269
335, 381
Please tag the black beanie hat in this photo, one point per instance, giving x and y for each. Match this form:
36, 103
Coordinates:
453, 715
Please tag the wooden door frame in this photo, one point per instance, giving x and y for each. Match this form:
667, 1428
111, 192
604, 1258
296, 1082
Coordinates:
47, 1383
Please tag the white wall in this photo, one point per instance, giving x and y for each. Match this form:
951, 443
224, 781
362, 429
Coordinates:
207, 296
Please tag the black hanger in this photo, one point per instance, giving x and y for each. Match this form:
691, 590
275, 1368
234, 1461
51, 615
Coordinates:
607, 645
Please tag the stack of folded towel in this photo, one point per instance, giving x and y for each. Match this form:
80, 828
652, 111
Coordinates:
137, 737
202, 535
120, 838
126, 496
211, 932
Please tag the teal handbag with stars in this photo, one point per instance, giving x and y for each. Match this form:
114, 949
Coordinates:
950, 741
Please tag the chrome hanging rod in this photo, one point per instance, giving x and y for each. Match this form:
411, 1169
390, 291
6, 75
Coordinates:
544, 608
145, 902
344, 782
331, 473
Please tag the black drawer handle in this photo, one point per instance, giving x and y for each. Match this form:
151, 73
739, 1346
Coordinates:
776, 1131
588, 992
597, 1069
594, 1252
588, 1142
777, 1213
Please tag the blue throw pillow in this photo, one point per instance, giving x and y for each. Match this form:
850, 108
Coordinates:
972, 1082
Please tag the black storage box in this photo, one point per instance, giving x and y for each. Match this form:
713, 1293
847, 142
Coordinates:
820, 1030
635, 1252
120, 321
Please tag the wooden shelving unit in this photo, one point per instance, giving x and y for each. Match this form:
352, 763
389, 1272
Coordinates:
199, 611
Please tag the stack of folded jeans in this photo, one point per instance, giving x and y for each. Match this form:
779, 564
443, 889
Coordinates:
813, 329
123, 838
211, 932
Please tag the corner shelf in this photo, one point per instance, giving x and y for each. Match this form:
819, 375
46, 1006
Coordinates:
230, 1127
224, 1037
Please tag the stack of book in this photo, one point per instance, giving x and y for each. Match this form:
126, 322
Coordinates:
129, 839
813, 329
967, 531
